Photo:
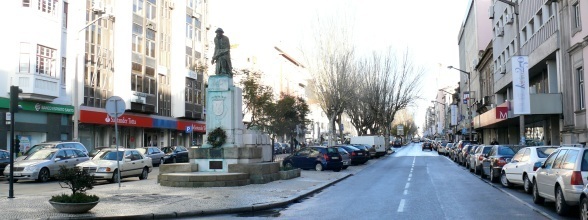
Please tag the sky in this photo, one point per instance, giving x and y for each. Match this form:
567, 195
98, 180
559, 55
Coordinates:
428, 29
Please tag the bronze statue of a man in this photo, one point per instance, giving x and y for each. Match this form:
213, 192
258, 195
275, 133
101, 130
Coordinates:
222, 54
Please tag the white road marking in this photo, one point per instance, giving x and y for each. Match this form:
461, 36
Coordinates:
401, 206
407, 185
405, 192
409, 175
408, 179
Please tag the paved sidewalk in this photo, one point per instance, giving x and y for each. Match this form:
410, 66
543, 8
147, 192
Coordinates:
147, 200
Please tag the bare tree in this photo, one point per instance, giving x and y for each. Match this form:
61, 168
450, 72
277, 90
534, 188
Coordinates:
330, 61
400, 87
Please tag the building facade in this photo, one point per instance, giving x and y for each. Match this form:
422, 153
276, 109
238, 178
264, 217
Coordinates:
156, 65
34, 59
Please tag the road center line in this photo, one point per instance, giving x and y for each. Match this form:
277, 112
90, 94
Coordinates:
409, 175
409, 179
401, 206
405, 192
407, 185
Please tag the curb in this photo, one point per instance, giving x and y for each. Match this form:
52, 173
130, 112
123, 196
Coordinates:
196, 213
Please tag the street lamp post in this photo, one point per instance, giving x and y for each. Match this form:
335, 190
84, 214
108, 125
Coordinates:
469, 98
76, 87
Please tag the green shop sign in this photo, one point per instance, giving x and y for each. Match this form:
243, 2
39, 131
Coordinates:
39, 106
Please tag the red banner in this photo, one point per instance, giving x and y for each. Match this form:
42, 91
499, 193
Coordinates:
196, 126
124, 120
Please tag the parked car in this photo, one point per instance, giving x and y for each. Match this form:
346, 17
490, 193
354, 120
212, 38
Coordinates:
522, 167
358, 156
95, 151
175, 154
441, 149
344, 157
561, 178
584, 204
44, 164
459, 147
477, 158
447, 148
156, 155
498, 156
54, 144
104, 165
463, 154
371, 152
469, 156
278, 148
427, 145
4, 160
317, 157
397, 143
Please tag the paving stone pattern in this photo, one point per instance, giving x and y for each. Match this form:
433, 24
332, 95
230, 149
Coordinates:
147, 199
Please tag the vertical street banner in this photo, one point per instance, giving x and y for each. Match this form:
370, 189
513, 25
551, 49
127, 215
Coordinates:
453, 115
520, 85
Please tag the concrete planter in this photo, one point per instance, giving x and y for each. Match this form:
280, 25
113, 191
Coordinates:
289, 174
73, 208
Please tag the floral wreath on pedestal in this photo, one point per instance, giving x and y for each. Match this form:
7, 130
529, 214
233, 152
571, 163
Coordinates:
217, 137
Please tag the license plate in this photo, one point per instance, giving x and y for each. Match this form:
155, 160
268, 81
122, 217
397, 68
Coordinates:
335, 158
360, 154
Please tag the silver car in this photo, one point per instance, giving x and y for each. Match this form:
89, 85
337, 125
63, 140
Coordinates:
156, 155
561, 178
44, 164
345, 158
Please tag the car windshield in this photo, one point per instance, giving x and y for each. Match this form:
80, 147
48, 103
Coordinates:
36, 148
110, 155
41, 155
142, 150
505, 151
167, 150
544, 152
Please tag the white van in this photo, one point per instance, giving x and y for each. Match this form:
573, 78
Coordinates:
377, 142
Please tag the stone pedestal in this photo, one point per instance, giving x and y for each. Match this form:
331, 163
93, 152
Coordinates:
224, 109
208, 159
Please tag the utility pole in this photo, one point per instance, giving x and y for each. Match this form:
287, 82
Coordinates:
14, 107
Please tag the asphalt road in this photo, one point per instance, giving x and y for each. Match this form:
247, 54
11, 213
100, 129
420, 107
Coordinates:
411, 184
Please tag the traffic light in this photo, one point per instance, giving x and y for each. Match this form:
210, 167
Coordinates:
14, 91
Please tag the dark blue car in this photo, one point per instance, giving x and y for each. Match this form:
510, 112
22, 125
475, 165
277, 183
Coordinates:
317, 157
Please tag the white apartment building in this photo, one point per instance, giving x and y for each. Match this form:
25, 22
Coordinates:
33, 57
151, 54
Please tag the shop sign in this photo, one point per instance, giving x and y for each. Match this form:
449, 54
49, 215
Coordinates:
501, 112
39, 107
124, 120
195, 126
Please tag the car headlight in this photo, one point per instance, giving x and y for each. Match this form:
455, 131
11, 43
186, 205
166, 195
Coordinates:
103, 169
30, 168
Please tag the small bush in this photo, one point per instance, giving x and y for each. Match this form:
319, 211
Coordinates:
76, 179
75, 198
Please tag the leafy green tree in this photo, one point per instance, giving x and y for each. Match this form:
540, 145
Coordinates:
288, 113
257, 99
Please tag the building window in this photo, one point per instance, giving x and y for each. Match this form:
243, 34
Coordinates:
189, 27
24, 59
576, 15
190, 3
581, 100
151, 10
138, 7
45, 60
190, 87
150, 43
65, 9
26, 3
47, 6
63, 61
136, 82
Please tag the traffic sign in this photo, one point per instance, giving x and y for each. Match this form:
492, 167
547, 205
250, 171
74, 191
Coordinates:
115, 106
189, 129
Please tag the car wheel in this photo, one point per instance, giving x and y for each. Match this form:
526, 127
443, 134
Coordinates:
482, 173
114, 178
537, 199
476, 171
161, 161
337, 169
492, 177
43, 175
14, 180
289, 165
527, 185
504, 180
344, 167
318, 167
584, 209
144, 174
561, 207
174, 160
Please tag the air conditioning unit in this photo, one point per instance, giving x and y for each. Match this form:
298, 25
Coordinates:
491, 12
151, 26
509, 18
98, 6
502, 69
500, 31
